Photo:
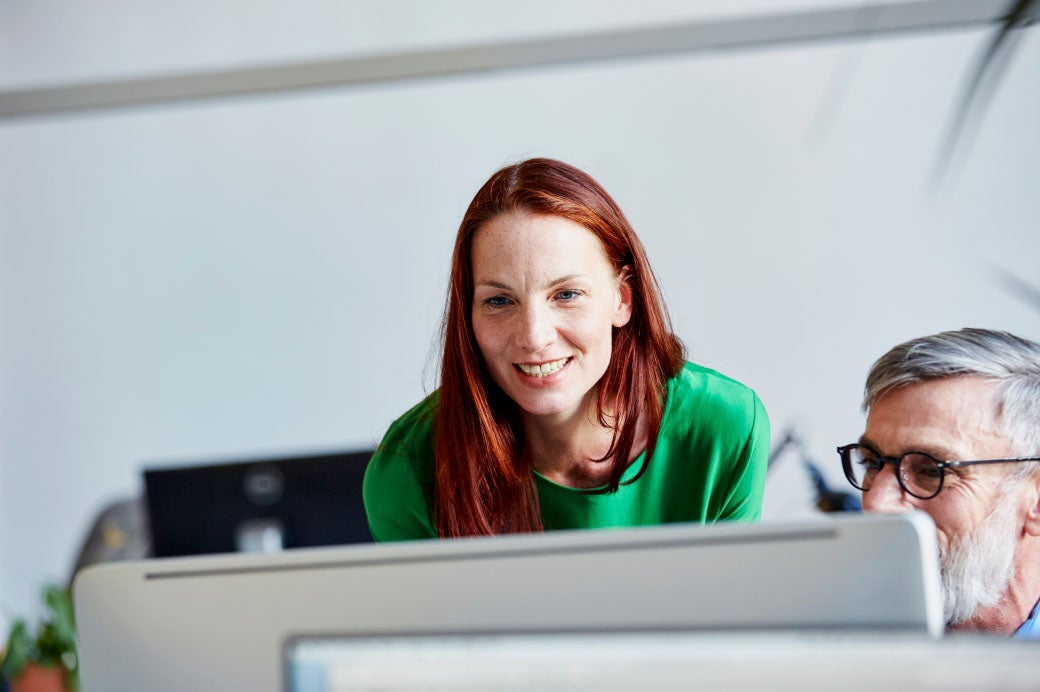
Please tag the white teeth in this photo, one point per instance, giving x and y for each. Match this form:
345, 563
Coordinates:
543, 369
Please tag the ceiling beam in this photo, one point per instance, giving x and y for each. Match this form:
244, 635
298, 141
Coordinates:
671, 39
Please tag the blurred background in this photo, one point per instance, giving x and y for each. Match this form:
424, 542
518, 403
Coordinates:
191, 280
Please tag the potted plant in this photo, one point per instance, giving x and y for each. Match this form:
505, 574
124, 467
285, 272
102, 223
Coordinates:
44, 660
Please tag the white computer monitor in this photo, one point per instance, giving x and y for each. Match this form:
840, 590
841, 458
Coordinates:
619, 661
222, 622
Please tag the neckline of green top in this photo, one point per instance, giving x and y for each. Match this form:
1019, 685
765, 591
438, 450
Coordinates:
627, 476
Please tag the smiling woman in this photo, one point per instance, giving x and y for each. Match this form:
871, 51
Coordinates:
545, 302
565, 399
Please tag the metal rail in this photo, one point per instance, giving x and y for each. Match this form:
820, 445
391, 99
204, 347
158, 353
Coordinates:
761, 30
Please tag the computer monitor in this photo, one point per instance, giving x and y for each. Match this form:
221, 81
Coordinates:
262, 505
618, 661
221, 622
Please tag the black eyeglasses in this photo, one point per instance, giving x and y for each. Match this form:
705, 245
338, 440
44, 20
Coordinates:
919, 474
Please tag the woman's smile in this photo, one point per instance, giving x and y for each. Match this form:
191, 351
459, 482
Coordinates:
544, 369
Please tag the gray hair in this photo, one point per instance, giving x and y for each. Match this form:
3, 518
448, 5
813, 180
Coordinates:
1013, 363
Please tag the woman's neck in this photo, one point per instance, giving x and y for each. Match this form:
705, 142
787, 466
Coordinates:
571, 451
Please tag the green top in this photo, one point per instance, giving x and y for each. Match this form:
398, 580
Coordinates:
710, 464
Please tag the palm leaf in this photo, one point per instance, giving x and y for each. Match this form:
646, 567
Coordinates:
982, 80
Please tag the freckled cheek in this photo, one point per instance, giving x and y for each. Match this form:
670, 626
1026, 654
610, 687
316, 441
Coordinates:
597, 339
588, 329
601, 335
489, 339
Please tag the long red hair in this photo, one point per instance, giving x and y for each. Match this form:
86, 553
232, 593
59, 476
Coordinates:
484, 484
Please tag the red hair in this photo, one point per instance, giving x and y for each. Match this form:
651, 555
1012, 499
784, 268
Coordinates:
484, 484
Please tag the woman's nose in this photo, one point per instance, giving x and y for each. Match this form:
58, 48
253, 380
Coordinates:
536, 329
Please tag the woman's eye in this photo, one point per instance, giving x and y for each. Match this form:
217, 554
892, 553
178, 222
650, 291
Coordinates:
496, 301
567, 294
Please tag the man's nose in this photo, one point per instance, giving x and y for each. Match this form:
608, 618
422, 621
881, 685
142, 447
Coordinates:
885, 494
536, 329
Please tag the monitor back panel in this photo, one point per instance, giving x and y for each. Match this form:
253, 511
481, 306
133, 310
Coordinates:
221, 622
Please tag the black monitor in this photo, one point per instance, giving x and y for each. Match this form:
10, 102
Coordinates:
257, 506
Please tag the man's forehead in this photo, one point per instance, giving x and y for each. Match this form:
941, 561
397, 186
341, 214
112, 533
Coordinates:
952, 419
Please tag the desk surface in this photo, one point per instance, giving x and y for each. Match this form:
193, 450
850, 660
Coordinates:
818, 660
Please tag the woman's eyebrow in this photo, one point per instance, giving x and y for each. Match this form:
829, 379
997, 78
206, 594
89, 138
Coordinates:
491, 283
567, 279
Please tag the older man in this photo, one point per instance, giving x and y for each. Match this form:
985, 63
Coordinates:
953, 429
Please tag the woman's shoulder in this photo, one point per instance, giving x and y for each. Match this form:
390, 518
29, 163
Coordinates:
713, 396
721, 426
415, 425
410, 437
698, 380
399, 477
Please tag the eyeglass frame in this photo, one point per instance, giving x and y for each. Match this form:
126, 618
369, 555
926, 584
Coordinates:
897, 463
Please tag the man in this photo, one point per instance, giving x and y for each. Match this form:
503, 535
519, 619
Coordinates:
953, 429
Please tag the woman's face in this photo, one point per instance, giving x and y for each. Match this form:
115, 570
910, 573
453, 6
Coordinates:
545, 302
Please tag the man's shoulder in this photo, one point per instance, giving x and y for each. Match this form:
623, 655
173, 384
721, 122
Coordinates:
1030, 629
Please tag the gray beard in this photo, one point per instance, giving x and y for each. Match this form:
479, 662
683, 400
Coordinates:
977, 566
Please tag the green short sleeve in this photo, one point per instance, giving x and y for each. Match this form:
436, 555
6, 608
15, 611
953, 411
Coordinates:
397, 488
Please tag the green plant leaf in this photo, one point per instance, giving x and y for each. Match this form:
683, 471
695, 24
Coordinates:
49, 645
19, 651
53, 644
62, 618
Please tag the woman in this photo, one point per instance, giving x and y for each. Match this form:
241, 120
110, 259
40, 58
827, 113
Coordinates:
565, 400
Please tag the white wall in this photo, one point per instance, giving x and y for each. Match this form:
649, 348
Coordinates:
265, 275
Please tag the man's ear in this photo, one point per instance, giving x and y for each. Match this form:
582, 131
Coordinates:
1032, 497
